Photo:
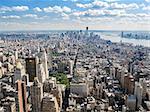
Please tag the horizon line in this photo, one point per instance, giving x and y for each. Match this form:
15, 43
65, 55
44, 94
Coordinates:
95, 30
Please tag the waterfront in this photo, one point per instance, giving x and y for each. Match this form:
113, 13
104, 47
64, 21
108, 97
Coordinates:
114, 37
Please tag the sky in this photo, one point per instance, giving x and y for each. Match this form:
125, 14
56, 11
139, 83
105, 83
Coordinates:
16, 15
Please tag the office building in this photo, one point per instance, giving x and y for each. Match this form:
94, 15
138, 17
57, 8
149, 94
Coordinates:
36, 95
31, 67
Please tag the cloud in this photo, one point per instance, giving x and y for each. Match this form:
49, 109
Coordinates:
65, 16
124, 6
100, 4
79, 13
66, 9
11, 17
37, 9
95, 3
97, 12
84, 5
146, 8
128, 15
33, 16
113, 5
57, 9
147, 0
20, 8
30, 15
14, 8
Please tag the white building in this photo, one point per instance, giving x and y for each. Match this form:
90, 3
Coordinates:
41, 73
138, 92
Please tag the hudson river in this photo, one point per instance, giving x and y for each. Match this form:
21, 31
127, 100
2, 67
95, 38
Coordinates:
114, 37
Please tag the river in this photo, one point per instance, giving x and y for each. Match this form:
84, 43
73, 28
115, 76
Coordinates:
114, 37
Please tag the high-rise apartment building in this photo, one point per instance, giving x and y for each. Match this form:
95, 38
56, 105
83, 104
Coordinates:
21, 98
36, 95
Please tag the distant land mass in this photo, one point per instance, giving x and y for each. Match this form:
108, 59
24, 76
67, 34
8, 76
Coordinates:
136, 35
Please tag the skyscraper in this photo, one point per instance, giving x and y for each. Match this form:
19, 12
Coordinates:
31, 68
86, 32
16, 55
87, 28
36, 95
122, 34
41, 73
21, 99
43, 59
45, 65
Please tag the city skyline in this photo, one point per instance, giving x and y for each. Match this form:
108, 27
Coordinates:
74, 14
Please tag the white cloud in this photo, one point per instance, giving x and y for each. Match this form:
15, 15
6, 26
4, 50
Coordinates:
4, 8
66, 9
33, 16
20, 8
147, 0
79, 13
14, 8
57, 9
146, 8
113, 5
100, 3
95, 20
84, 5
48, 9
95, 3
114, 12
37, 9
65, 16
11, 17
124, 6
128, 15
97, 12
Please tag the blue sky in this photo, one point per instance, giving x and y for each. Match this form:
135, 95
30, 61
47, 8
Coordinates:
74, 14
